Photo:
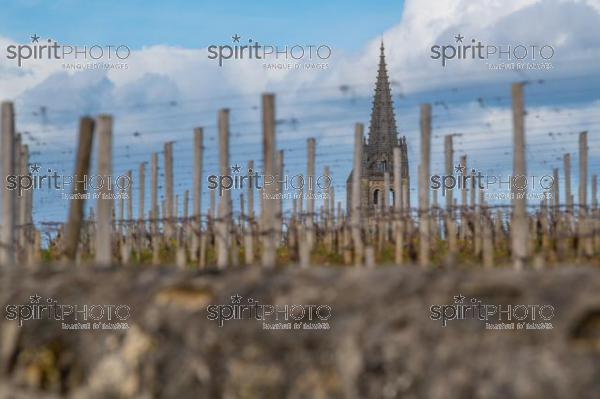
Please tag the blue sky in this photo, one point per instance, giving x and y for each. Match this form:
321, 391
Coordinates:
346, 24
171, 86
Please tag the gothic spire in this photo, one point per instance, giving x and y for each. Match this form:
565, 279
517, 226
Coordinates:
382, 130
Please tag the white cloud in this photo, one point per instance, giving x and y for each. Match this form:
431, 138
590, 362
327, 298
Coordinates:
160, 74
569, 26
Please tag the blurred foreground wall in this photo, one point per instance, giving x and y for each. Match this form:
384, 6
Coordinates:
381, 341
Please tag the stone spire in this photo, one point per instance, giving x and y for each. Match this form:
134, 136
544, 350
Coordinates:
378, 149
382, 130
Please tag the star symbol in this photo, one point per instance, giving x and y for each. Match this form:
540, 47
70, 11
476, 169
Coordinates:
459, 38
35, 168
35, 298
236, 38
236, 298
236, 168
459, 169
459, 298
35, 38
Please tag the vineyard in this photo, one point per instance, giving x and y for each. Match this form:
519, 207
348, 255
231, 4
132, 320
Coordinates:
281, 223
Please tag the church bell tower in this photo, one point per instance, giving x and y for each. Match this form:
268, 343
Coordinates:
377, 150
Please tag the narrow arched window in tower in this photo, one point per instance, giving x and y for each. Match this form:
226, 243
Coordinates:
392, 198
375, 197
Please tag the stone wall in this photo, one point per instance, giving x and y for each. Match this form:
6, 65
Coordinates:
382, 342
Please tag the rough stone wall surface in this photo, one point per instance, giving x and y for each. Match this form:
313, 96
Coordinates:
382, 342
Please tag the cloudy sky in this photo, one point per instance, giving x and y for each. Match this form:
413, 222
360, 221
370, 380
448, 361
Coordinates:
170, 85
